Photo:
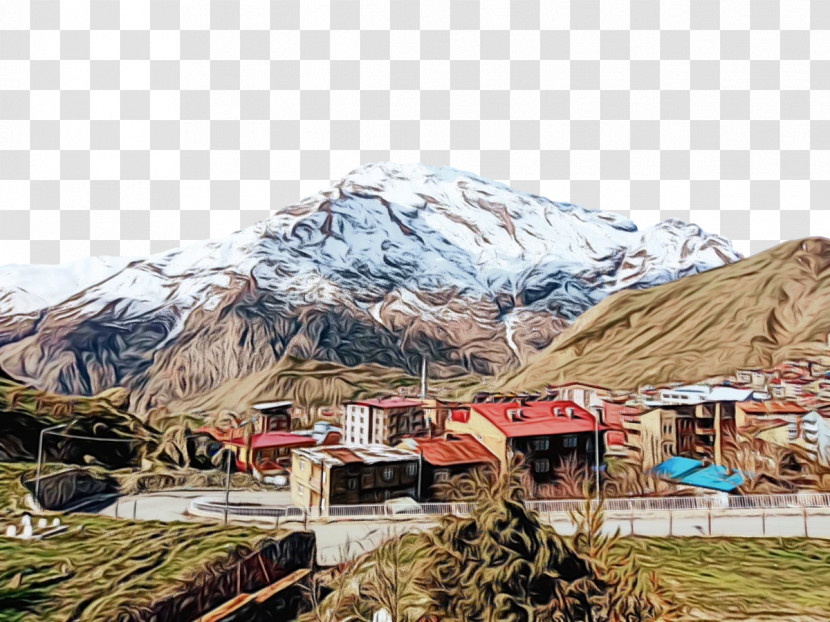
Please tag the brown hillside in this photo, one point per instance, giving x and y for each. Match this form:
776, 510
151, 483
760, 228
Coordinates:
756, 312
306, 383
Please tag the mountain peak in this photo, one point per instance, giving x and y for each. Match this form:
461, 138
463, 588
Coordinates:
393, 262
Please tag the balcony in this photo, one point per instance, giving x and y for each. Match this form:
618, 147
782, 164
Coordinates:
706, 450
702, 428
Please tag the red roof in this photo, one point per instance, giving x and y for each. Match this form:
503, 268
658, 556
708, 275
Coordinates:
277, 439
391, 402
460, 415
771, 407
538, 418
455, 449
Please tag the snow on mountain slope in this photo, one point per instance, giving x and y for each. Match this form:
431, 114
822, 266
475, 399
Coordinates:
25, 288
392, 263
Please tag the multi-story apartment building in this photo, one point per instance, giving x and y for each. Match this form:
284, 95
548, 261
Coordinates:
691, 430
382, 421
322, 477
543, 432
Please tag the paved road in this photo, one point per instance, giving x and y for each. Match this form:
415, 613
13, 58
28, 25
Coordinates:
172, 505
342, 540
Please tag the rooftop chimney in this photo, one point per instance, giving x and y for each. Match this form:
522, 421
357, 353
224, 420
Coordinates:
557, 411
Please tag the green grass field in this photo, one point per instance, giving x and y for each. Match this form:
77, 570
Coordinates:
102, 564
741, 578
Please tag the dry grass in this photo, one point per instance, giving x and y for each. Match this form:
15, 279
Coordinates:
308, 384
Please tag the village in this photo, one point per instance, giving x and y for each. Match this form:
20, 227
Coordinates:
711, 437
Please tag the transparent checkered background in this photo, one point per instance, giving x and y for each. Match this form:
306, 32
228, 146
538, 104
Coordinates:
132, 127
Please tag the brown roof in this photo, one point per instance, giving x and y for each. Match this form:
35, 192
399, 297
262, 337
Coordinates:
345, 455
454, 449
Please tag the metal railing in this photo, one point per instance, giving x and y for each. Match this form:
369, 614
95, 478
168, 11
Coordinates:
215, 507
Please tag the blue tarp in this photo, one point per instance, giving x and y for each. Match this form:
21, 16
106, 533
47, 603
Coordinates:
715, 477
693, 473
676, 467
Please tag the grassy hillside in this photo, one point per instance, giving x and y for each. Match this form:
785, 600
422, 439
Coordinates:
104, 566
757, 312
25, 411
306, 383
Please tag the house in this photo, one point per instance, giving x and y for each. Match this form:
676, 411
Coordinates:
749, 412
382, 421
322, 477
273, 417
544, 432
613, 415
268, 453
443, 458
588, 396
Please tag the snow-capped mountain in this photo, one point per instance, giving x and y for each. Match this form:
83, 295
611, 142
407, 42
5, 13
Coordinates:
391, 263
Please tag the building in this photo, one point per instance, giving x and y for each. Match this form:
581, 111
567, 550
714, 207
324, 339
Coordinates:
268, 453
755, 412
588, 396
697, 394
443, 458
273, 417
322, 477
689, 430
544, 433
814, 436
436, 413
382, 421
613, 415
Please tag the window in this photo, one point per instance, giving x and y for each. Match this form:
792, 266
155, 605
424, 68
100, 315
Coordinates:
541, 466
387, 474
569, 441
541, 444
792, 430
411, 469
351, 483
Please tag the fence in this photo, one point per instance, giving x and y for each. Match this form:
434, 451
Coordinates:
206, 506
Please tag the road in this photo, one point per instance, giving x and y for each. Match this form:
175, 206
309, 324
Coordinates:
346, 539
172, 505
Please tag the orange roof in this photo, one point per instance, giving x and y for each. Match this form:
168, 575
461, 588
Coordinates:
771, 407
537, 418
454, 449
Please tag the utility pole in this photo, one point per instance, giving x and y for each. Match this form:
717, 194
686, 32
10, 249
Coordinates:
423, 376
229, 454
40, 458
420, 469
596, 453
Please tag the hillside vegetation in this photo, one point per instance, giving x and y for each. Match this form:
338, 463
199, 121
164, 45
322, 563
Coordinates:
757, 312
307, 383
